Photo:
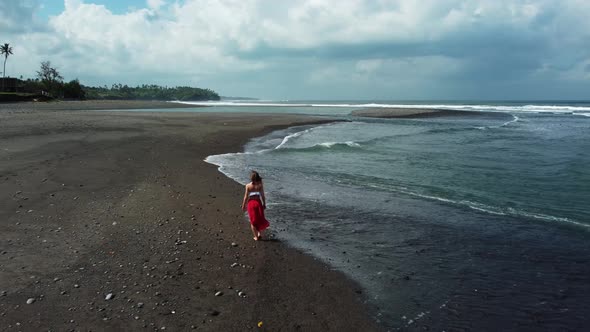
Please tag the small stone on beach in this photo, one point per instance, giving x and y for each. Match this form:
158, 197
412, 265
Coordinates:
30, 300
219, 293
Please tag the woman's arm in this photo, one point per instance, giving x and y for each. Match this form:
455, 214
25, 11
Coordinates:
263, 197
245, 199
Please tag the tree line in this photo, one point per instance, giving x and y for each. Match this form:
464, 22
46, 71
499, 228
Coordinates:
150, 92
49, 84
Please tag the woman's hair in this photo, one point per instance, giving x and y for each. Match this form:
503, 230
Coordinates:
255, 177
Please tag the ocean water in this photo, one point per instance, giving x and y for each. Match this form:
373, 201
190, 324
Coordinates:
450, 223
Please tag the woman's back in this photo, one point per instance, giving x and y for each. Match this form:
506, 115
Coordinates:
254, 189
255, 202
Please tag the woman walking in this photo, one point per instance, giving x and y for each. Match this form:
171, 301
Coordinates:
255, 202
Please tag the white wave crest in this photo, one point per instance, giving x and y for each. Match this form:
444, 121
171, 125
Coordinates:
491, 210
564, 109
331, 144
514, 119
508, 211
287, 138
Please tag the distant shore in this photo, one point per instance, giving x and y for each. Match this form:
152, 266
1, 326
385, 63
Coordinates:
113, 221
71, 105
401, 112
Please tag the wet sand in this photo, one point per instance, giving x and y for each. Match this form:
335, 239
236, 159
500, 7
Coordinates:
113, 221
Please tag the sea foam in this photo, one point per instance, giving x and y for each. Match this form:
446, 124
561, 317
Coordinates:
562, 109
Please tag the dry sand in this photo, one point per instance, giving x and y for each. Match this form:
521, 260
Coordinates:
113, 221
91, 105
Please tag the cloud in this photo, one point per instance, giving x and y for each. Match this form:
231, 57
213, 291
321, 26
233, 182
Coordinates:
428, 49
155, 4
18, 17
147, 40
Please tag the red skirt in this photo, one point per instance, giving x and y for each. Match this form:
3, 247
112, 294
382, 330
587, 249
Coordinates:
256, 213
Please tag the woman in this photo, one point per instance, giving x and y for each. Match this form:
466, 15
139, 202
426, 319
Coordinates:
255, 202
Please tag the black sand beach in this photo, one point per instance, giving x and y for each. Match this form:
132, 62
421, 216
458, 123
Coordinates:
113, 221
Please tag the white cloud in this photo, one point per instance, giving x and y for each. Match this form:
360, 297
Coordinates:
73, 4
144, 41
155, 4
370, 41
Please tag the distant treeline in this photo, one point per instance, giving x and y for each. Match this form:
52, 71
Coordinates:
150, 92
74, 90
49, 84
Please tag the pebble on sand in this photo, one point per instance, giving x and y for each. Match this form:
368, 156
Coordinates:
30, 300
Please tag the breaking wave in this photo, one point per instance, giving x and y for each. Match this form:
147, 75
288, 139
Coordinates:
531, 108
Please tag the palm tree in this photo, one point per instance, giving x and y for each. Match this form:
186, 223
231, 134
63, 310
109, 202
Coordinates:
6, 50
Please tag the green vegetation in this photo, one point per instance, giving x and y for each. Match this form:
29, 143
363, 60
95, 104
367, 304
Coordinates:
150, 92
74, 90
6, 50
13, 97
51, 80
49, 84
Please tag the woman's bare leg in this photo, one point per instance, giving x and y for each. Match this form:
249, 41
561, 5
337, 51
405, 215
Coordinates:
254, 232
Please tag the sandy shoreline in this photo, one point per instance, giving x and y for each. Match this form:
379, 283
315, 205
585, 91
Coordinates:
72, 105
99, 203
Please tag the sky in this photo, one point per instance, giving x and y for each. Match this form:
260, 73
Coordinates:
311, 49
